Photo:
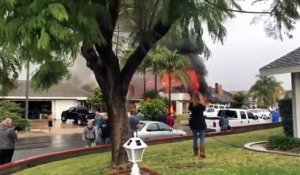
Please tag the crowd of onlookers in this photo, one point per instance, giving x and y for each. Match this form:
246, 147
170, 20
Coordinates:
98, 132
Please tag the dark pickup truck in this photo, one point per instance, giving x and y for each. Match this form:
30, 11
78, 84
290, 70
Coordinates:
80, 115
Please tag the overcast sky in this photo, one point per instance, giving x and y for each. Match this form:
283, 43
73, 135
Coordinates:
245, 50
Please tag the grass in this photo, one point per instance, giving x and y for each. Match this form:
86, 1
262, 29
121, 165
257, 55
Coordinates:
223, 157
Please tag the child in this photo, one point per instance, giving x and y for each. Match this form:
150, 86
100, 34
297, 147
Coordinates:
50, 121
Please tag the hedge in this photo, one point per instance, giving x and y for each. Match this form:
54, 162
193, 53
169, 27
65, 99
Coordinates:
286, 113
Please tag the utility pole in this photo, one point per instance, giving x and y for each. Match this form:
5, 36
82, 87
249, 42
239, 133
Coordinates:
27, 93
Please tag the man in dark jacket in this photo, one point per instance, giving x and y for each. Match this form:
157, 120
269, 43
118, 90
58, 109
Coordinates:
8, 138
161, 117
105, 130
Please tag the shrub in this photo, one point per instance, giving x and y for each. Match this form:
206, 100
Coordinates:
283, 143
14, 111
286, 113
151, 94
151, 108
96, 98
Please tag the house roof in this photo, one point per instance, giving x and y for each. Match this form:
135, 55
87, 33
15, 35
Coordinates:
64, 90
288, 63
138, 86
226, 96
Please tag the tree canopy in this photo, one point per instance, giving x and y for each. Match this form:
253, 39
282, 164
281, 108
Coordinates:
266, 90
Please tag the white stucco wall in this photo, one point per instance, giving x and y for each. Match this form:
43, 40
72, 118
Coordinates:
61, 105
296, 103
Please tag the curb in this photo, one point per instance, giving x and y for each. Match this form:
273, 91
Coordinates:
249, 146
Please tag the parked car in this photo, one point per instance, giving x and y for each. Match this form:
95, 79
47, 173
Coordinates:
257, 112
217, 107
236, 117
80, 115
266, 114
154, 129
210, 112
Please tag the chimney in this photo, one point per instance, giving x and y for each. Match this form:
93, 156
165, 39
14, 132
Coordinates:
131, 91
216, 88
220, 90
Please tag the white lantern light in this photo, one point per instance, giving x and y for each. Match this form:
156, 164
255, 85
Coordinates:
135, 149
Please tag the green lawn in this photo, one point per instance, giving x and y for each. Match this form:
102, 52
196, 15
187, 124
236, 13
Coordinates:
176, 159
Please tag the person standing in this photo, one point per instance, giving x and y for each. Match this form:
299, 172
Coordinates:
98, 121
8, 138
197, 124
161, 117
50, 121
133, 122
89, 134
170, 120
224, 122
140, 115
105, 130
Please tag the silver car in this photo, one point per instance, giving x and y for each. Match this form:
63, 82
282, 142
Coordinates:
154, 129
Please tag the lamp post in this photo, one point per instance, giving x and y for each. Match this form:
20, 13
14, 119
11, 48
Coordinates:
135, 149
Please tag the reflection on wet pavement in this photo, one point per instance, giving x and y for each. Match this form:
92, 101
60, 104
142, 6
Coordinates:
39, 141
64, 136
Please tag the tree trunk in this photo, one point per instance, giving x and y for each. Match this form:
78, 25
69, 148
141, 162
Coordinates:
144, 79
155, 77
170, 87
120, 128
155, 82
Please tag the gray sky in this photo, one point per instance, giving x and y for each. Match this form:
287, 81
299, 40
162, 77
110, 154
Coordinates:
246, 49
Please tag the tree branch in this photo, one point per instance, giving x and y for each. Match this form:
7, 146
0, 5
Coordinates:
107, 28
141, 51
238, 11
93, 61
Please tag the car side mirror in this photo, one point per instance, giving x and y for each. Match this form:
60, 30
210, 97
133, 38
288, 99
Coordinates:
170, 129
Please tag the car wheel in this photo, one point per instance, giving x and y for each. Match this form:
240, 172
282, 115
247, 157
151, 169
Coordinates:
79, 122
63, 119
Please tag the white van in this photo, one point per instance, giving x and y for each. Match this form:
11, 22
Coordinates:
218, 107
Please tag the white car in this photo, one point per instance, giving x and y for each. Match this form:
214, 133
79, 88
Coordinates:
257, 113
210, 112
266, 114
217, 107
154, 129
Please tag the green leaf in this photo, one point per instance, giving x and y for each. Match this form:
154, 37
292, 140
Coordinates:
58, 11
43, 42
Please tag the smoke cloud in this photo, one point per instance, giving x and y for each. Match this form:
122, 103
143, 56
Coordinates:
189, 48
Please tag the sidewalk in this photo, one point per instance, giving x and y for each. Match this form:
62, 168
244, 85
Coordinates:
40, 128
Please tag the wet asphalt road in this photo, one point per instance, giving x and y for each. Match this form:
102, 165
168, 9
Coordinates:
32, 146
27, 147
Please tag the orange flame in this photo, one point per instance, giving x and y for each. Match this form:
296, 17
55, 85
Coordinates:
194, 83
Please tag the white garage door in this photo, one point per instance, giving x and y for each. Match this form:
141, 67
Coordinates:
61, 105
